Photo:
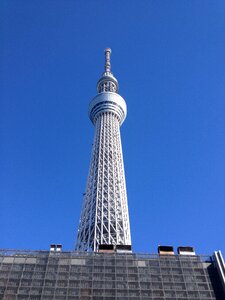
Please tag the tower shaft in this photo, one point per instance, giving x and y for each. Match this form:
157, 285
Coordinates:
104, 217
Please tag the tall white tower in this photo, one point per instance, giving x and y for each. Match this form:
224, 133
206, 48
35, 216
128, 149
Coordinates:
104, 217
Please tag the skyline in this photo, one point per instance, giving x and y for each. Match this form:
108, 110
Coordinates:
169, 61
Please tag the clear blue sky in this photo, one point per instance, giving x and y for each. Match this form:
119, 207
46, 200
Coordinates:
169, 58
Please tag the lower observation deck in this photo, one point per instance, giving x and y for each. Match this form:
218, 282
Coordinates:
46, 275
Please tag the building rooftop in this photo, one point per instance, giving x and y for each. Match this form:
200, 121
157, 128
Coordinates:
45, 275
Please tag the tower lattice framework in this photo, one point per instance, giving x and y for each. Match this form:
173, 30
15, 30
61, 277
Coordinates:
104, 216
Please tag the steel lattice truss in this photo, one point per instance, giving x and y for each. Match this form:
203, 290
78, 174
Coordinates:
104, 218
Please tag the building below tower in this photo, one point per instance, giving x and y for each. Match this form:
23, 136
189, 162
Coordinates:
120, 275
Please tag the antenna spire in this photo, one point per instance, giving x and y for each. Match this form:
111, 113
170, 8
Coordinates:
107, 83
108, 51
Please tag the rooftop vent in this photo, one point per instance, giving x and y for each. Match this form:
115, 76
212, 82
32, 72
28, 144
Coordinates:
186, 250
123, 249
106, 248
165, 250
56, 248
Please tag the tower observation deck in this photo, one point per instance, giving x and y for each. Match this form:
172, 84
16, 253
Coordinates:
104, 216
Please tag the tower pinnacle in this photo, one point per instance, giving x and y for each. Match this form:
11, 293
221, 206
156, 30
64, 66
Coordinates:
107, 83
108, 52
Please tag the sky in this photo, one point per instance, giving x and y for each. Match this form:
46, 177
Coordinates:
169, 58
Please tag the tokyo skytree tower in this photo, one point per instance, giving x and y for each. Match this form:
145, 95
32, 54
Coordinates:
104, 216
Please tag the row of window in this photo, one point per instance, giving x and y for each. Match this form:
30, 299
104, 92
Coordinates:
130, 297
109, 292
106, 263
102, 262
96, 269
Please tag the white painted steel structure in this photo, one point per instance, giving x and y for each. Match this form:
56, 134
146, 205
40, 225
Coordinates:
104, 217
